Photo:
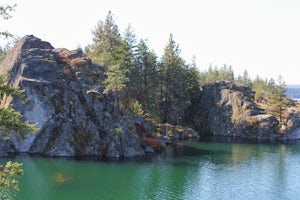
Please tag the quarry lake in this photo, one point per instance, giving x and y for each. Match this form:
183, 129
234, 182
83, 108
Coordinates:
186, 170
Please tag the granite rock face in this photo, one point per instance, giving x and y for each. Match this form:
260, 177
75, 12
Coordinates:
74, 117
224, 108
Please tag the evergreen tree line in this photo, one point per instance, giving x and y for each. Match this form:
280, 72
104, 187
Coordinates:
158, 88
137, 79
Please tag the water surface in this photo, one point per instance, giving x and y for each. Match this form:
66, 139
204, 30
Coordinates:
186, 170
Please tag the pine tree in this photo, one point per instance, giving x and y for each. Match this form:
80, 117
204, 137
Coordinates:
246, 79
193, 78
260, 87
129, 64
174, 97
5, 14
115, 82
144, 78
107, 42
114, 53
10, 121
278, 99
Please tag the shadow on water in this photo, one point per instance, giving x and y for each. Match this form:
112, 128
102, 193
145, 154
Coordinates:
182, 171
217, 150
228, 151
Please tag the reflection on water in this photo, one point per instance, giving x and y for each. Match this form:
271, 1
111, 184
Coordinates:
186, 170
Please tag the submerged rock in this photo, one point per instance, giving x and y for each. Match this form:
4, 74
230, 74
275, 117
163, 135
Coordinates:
61, 179
74, 117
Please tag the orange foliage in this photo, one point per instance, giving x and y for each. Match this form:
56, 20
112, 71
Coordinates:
140, 130
78, 62
153, 142
64, 57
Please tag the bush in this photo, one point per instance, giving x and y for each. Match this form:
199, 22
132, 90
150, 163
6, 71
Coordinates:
153, 142
8, 183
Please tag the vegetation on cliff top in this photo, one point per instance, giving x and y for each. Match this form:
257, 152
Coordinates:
162, 89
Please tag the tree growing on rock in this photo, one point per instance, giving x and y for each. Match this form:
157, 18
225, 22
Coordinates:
174, 98
278, 100
113, 53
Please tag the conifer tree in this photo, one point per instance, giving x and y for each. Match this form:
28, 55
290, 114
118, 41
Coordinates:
10, 121
107, 42
260, 87
112, 52
5, 14
143, 78
278, 99
244, 79
115, 82
129, 64
174, 97
193, 78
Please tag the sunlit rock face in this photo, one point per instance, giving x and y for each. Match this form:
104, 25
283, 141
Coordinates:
292, 128
65, 99
224, 108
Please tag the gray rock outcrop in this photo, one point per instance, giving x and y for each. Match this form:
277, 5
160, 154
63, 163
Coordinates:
74, 117
292, 129
224, 108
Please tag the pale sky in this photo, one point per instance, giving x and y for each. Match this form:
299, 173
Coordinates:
262, 36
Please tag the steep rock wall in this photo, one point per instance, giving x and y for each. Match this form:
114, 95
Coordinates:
224, 108
74, 117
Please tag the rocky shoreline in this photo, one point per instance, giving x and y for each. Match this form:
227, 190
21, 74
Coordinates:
75, 118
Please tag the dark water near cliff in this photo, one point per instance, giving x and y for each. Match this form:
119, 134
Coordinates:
187, 170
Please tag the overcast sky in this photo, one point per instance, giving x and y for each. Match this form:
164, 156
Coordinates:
262, 36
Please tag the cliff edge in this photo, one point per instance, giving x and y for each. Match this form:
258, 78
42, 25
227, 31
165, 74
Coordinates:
74, 117
225, 108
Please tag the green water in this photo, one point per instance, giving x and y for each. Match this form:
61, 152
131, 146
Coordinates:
186, 170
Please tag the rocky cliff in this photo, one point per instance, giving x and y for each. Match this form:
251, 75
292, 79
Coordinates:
224, 108
74, 117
